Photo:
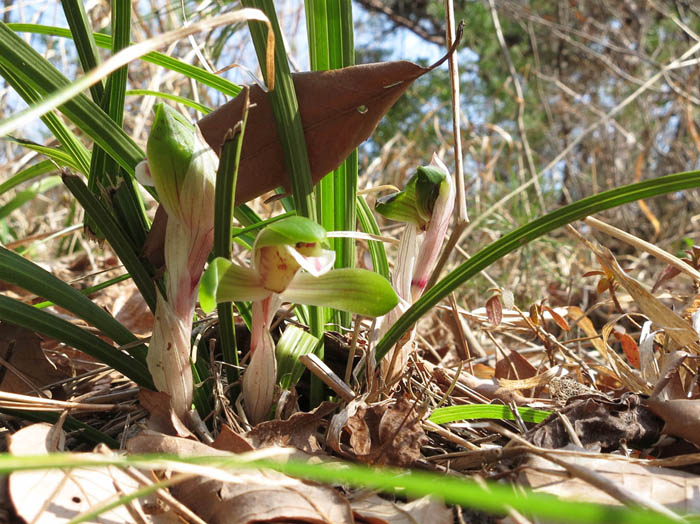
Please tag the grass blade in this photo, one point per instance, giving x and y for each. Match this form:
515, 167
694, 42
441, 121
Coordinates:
524, 234
27, 275
140, 270
226, 179
41, 168
84, 42
369, 225
20, 314
492, 411
87, 433
173, 64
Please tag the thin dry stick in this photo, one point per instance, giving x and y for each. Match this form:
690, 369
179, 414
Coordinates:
520, 101
644, 246
576, 141
462, 220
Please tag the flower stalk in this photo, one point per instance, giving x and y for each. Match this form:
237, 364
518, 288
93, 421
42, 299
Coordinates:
425, 205
182, 167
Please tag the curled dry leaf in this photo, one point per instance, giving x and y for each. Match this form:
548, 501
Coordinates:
55, 496
383, 434
600, 424
251, 496
162, 418
376, 510
298, 431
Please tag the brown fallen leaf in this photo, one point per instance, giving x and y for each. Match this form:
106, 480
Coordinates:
376, 510
28, 366
162, 418
339, 109
298, 431
252, 496
55, 496
600, 424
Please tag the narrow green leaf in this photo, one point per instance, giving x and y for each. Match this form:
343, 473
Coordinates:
41, 168
491, 411
369, 225
524, 234
36, 71
353, 290
28, 195
27, 275
285, 109
457, 490
140, 270
173, 64
169, 96
20, 314
84, 41
226, 180
73, 147
59, 156
293, 343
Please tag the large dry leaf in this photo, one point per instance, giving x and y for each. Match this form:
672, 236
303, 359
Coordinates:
600, 424
339, 109
28, 366
376, 510
252, 495
54, 496
676, 490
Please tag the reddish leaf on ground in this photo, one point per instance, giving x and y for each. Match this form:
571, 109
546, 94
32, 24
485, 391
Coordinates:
629, 346
339, 109
494, 310
162, 418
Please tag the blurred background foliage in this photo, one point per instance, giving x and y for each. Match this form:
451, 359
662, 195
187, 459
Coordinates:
576, 61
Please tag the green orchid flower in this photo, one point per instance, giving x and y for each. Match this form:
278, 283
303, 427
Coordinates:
290, 264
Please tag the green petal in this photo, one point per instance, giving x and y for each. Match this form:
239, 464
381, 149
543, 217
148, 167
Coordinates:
354, 290
229, 282
210, 281
291, 231
400, 206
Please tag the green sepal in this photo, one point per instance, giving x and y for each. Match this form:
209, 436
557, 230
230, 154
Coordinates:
353, 290
210, 281
169, 150
229, 282
415, 203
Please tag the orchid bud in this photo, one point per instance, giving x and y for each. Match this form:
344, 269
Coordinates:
415, 204
182, 167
